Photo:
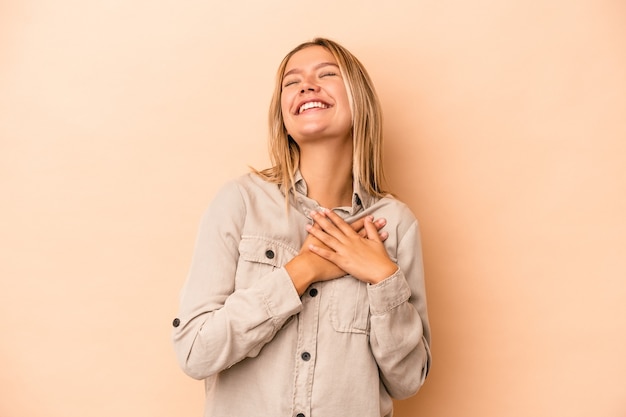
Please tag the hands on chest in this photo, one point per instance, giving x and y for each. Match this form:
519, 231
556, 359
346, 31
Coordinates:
335, 248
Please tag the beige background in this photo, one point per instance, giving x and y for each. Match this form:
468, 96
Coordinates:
506, 134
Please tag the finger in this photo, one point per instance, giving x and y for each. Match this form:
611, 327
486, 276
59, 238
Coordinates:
357, 225
372, 231
321, 235
310, 239
379, 223
340, 223
324, 253
329, 226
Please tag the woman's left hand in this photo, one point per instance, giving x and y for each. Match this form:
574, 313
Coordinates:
365, 258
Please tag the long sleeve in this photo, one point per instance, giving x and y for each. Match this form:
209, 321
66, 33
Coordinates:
400, 332
219, 323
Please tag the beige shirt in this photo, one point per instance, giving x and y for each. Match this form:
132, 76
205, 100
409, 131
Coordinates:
344, 348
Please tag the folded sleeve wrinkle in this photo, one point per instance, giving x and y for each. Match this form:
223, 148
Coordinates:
400, 333
220, 324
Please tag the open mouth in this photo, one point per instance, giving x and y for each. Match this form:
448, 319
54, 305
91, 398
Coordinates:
312, 105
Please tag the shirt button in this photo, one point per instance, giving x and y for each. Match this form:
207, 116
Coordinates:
305, 356
269, 254
313, 292
176, 322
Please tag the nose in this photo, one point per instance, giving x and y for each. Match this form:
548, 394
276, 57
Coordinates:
308, 85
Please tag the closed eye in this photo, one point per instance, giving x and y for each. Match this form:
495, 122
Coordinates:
290, 82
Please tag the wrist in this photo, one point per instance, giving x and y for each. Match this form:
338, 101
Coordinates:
301, 275
383, 273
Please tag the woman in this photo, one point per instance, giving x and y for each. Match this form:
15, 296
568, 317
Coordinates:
297, 302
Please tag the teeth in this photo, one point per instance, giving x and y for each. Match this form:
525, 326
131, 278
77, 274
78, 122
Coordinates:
312, 104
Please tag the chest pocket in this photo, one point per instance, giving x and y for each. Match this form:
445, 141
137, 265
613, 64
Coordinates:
258, 256
349, 305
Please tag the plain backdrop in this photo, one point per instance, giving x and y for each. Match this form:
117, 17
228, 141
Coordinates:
505, 124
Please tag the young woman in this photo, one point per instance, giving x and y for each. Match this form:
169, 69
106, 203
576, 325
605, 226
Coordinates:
298, 303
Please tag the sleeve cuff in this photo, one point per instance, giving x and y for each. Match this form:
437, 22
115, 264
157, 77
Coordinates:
280, 296
388, 294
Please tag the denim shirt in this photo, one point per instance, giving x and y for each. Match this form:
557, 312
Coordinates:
343, 348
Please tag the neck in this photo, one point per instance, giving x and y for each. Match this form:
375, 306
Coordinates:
327, 171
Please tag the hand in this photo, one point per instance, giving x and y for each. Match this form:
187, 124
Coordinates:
365, 258
359, 227
325, 269
307, 267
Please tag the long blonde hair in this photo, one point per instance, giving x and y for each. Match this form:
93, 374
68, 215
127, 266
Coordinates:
367, 129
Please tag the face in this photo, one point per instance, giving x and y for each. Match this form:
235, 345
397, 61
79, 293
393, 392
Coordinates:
314, 100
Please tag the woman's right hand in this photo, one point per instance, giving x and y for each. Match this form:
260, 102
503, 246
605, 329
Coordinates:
308, 267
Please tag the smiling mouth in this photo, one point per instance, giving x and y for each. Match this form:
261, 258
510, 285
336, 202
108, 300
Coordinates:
312, 105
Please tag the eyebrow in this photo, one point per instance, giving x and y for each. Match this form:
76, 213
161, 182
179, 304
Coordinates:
318, 66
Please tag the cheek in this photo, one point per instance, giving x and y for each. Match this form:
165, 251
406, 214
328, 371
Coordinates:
286, 97
284, 106
347, 107
344, 98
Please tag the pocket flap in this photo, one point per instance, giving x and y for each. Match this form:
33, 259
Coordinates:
265, 250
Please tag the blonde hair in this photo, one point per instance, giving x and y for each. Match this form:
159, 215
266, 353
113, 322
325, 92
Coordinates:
367, 137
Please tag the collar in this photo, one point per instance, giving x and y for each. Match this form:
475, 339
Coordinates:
361, 200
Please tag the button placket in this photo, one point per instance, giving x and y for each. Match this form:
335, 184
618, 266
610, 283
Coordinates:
308, 322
